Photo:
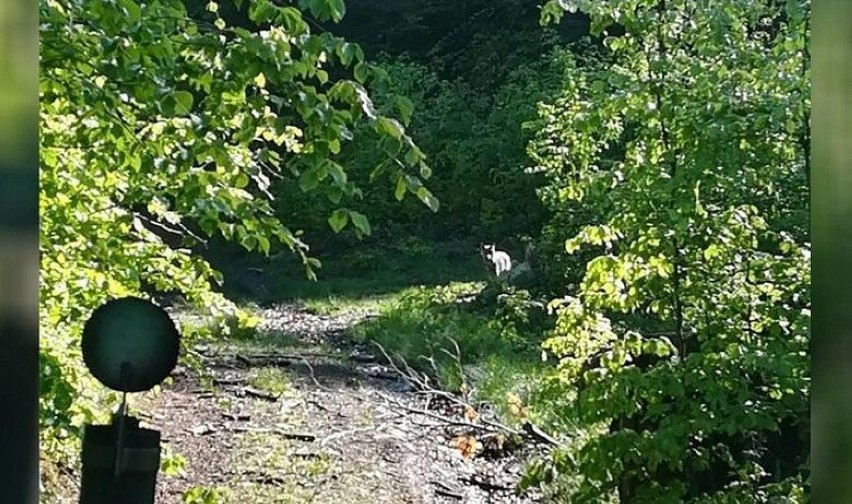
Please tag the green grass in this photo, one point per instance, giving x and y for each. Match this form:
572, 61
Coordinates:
335, 305
270, 379
366, 271
493, 358
269, 455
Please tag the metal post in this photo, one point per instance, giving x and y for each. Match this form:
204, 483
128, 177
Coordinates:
119, 475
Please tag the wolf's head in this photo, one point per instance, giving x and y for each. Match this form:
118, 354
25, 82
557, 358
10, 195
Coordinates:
487, 251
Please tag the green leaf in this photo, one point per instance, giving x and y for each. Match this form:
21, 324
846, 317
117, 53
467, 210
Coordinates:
338, 9
389, 127
291, 17
338, 220
406, 108
133, 11
712, 251
346, 52
334, 146
325, 9
249, 242
184, 101
334, 194
414, 156
551, 12
310, 179
399, 193
263, 244
343, 90
426, 197
361, 72
361, 223
337, 173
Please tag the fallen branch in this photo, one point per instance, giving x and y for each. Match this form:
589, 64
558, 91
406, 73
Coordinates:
260, 394
237, 417
299, 436
427, 426
421, 378
228, 381
536, 433
325, 408
485, 485
431, 361
422, 387
292, 356
379, 374
362, 358
307, 455
447, 493
223, 365
411, 378
465, 389
267, 360
270, 480
449, 421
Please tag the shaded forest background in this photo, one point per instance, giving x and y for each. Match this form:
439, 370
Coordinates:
471, 76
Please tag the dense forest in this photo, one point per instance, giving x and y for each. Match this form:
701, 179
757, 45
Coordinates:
645, 166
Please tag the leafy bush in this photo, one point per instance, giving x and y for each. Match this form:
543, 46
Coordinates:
687, 337
497, 357
164, 125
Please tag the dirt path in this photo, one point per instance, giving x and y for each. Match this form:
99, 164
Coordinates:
306, 415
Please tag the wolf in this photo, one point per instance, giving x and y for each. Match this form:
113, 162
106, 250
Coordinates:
497, 261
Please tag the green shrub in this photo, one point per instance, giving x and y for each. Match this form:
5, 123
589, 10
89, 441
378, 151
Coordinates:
684, 344
497, 342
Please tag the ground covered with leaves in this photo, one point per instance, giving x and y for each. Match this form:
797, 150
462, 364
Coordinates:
299, 412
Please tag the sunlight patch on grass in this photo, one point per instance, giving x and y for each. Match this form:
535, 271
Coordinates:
206, 495
338, 305
497, 356
266, 457
271, 379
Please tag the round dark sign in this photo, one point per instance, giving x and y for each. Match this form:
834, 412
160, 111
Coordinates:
130, 344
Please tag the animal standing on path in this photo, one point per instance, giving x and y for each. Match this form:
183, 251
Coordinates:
498, 261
